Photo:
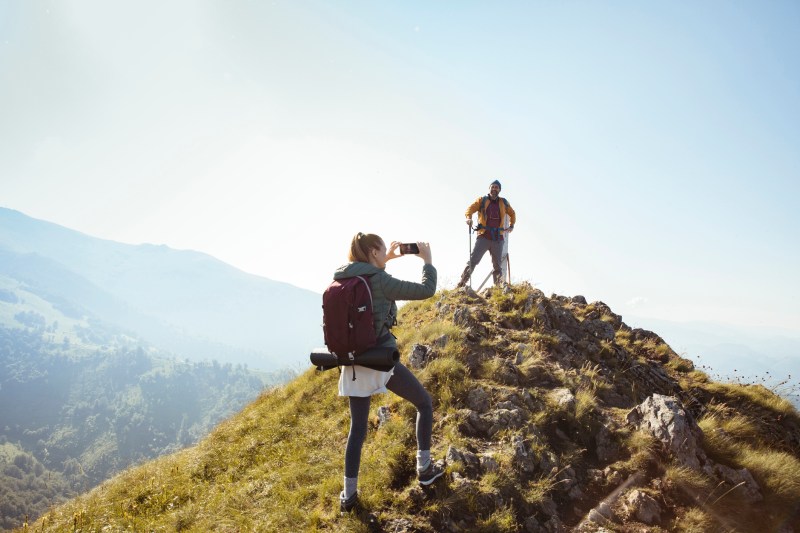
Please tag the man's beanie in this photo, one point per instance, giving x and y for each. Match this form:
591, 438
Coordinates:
495, 182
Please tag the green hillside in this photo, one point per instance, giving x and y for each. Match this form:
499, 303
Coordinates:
80, 401
27, 487
538, 406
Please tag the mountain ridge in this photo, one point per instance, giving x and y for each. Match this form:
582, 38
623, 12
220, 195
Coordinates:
543, 412
182, 300
96, 373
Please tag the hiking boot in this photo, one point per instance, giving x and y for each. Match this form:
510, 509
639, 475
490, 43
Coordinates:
347, 505
464, 278
430, 474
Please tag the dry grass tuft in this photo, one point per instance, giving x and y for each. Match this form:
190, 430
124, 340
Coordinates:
695, 520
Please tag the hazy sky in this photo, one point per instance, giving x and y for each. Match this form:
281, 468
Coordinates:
650, 149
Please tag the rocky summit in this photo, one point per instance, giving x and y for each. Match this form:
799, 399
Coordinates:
550, 415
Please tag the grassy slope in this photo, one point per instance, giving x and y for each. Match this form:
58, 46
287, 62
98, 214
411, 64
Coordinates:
77, 392
277, 465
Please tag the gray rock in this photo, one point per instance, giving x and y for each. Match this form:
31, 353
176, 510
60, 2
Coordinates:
501, 419
563, 338
532, 525
507, 373
639, 334
641, 505
399, 525
566, 479
518, 443
548, 462
441, 341
508, 404
613, 477
563, 398
599, 329
453, 455
489, 463
418, 356
541, 310
478, 400
602, 513
554, 525
479, 314
491, 423
665, 418
742, 480
595, 477
606, 449
575, 493
383, 415
564, 321
469, 291
462, 317
528, 399
473, 424
522, 458
468, 459
548, 506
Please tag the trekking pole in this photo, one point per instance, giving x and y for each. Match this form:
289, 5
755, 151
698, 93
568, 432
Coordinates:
469, 257
508, 259
484, 281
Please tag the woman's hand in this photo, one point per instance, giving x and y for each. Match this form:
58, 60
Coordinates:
425, 252
392, 252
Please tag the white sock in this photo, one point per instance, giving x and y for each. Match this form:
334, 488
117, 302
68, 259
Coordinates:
423, 459
350, 486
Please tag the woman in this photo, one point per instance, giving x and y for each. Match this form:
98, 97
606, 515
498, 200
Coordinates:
368, 257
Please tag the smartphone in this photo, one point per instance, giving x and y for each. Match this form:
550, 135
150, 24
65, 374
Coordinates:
409, 248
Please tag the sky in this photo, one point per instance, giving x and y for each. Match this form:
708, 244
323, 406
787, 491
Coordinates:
650, 149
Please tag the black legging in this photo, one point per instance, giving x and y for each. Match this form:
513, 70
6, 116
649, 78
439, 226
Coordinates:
407, 386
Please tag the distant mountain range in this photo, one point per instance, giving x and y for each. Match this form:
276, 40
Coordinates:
183, 301
769, 356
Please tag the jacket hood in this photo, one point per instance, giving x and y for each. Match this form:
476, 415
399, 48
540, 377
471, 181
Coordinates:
352, 270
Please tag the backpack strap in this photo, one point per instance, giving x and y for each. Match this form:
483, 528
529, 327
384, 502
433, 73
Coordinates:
484, 203
369, 288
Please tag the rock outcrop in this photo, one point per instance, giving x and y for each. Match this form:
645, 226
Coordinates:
581, 362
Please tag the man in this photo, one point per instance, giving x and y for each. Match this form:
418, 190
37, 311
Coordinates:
492, 211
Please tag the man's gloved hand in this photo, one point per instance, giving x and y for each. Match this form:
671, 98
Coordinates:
469, 222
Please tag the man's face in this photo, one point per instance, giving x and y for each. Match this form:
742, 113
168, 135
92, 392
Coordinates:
494, 190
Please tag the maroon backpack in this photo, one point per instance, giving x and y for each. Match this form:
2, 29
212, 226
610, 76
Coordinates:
347, 317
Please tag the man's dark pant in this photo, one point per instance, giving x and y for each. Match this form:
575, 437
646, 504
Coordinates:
482, 245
